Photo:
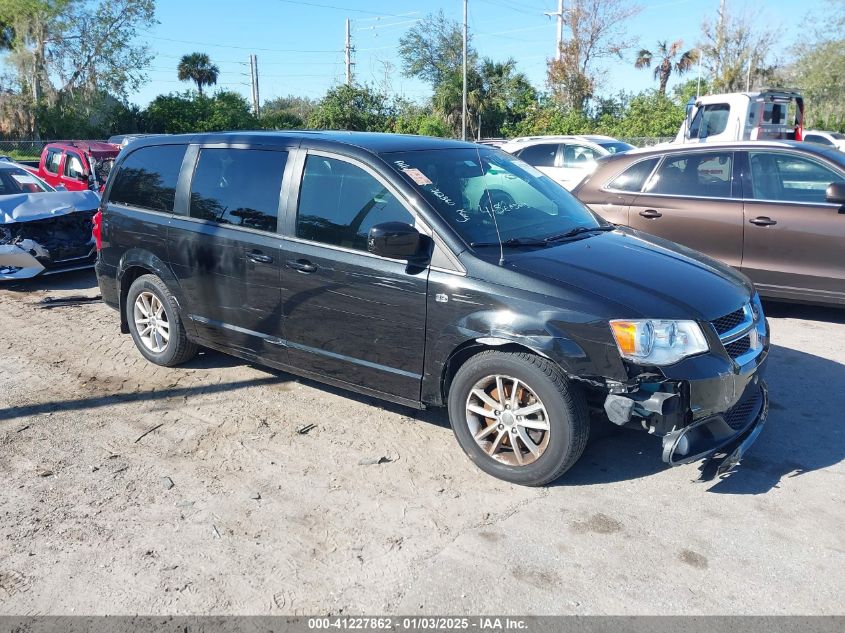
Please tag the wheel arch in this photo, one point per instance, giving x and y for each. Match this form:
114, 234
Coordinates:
136, 263
466, 350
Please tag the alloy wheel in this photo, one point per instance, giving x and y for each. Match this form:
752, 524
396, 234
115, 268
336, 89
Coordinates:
151, 322
507, 420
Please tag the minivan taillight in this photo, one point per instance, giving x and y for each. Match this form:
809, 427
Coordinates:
97, 229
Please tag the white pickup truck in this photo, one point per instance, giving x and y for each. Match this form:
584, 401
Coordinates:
744, 116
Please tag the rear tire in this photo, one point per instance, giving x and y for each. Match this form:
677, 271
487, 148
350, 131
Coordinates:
533, 435
155, 324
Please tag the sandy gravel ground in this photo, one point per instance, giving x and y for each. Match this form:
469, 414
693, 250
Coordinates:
224, 508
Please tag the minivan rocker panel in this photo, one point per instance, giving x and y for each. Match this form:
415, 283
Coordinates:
526, 330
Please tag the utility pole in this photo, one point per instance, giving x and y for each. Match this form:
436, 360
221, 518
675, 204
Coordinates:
253, 74
464, 100
348, 51
559, 15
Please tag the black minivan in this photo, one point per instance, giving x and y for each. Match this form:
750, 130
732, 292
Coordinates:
433, 272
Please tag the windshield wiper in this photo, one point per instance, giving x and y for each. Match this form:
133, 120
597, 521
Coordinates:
579, 230
514, 241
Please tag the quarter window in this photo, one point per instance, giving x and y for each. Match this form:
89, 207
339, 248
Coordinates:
339, 203
542, 155
147, 178
779, 176
632, 179
815, 138
240, 187
700, 174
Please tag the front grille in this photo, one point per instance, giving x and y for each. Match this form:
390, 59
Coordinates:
729, 321
745, 410
738, 347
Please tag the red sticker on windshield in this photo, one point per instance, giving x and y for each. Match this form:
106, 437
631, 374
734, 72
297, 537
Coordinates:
417, 176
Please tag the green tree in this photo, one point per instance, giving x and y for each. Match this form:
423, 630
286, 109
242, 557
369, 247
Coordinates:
62, 49
352, 108
197, 67
819, 69
596, 29
433, 50
736, 48
190, 112
669, 59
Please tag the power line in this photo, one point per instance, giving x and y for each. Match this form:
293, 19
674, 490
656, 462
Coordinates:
348, 9
245, 48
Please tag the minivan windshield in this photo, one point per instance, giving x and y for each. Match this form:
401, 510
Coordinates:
479, 190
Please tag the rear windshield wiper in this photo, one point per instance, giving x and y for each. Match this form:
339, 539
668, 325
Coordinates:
514, 241
578, 230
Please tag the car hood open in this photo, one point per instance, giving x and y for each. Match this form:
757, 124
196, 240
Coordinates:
27, 207
653, 277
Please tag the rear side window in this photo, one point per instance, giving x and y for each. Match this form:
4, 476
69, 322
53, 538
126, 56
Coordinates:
578, 155
147, 178
633, 178
53, 160
339, 203
815, 138
542, 155
240, 187
700, 174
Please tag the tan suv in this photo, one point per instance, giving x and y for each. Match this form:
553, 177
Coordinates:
773, 209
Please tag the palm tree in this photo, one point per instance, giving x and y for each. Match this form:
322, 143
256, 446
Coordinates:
197, 67
666, 56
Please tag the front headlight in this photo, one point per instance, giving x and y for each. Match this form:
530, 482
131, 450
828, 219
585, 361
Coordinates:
654, 342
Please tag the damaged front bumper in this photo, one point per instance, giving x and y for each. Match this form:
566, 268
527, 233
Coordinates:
46, 246
706, 405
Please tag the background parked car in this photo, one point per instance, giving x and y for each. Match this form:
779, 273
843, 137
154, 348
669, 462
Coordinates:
42, 230
743, 116
772, 209
566, 159
77, 165
831, 139
122, 140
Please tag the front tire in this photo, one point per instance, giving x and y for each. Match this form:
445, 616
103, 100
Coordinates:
518, 417
154, 322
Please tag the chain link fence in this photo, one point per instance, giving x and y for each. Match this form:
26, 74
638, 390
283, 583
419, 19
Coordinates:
647, 141
23, 148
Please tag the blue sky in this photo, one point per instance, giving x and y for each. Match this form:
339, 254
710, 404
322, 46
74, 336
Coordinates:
300, 45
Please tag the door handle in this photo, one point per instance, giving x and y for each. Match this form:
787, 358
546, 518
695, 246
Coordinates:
259, 258
301, 265
651, 213
763, 221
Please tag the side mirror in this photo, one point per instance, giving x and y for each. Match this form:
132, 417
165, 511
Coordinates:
394, 240
836, 192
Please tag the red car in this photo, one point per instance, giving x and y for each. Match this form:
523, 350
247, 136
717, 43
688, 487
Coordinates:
77, 165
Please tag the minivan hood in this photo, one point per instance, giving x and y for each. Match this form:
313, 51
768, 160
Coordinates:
654, 278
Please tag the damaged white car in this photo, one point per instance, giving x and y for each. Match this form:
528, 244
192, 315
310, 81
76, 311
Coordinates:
43, 230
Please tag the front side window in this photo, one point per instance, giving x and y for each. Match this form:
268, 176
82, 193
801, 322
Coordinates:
73, 167
477, 191
710, 119
578, 156
633, 178
699, 174
240, 187
779, 176
542, 155
339, 203
147, 178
